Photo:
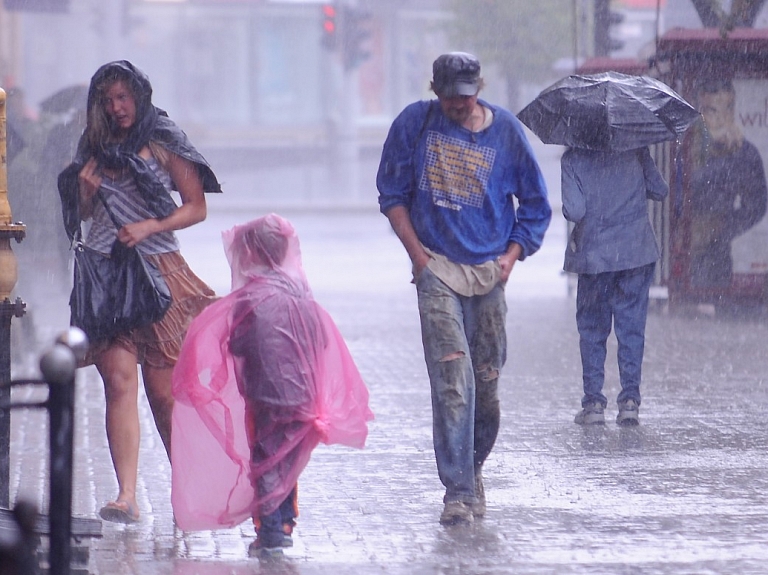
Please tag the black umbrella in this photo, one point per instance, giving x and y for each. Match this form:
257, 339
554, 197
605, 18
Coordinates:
608, 112
72, 97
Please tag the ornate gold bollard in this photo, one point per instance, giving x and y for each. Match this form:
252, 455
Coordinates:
8, 309
8, 230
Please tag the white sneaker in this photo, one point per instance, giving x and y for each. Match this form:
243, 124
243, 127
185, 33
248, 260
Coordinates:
591, 414
628, 413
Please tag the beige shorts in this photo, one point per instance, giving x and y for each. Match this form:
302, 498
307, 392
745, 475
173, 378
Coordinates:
158, 345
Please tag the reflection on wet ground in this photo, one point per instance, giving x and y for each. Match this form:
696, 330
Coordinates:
686, 492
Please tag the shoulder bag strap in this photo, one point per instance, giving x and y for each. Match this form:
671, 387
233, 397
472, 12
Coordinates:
109, 212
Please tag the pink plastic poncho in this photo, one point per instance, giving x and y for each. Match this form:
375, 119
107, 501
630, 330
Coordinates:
263, 376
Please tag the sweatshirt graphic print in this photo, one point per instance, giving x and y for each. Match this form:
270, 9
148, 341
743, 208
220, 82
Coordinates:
456, 172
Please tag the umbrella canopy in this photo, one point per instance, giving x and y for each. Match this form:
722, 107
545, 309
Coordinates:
70, 98
608, 111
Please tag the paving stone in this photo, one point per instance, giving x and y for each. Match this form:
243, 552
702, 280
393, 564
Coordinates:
684, 493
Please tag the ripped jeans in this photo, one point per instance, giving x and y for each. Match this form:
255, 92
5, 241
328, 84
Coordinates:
465, 347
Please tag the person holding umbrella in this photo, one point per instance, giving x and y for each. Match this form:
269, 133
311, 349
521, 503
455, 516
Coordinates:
608, 121
450, 175
613, 250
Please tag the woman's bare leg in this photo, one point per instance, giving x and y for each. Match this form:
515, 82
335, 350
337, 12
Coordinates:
158, 386
118, 369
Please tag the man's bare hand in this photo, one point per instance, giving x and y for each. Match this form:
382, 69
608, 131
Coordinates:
508, 260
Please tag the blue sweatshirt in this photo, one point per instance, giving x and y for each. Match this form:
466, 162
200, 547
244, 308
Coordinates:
460, 187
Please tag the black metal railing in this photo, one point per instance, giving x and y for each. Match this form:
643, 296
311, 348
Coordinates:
17, 545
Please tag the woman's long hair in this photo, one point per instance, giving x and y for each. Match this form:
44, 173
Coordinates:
101, 131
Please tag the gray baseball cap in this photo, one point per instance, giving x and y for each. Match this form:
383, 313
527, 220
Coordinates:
456, 74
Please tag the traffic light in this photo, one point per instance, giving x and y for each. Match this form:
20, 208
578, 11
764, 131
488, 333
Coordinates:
606, 21
356, 30
60, 6
614, 19
330, 30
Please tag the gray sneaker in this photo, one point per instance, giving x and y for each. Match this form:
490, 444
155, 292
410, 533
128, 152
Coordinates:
591, 414
478, 507
456, 512
628, 413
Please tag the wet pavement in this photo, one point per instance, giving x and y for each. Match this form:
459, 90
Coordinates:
684, 493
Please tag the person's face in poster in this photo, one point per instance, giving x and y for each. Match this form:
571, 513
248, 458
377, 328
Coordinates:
718, 110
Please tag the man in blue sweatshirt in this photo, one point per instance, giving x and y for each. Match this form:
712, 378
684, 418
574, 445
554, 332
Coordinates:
451, 174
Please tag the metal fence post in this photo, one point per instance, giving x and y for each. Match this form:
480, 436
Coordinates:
5, 415
57, 366
8, 275
58, 369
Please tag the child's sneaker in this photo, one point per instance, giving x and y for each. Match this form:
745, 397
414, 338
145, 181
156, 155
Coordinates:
287, 527
591, 414
274, 538
269, 542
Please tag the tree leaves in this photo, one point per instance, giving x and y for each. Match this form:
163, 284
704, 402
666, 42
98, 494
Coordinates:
522, 37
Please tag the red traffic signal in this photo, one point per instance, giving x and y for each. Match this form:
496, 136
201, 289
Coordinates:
330, 27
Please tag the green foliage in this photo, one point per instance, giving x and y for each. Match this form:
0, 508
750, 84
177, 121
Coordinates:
523, 37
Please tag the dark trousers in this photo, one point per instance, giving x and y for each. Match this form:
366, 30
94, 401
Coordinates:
272, 526
619, 298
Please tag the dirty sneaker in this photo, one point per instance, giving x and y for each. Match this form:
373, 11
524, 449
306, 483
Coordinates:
478, 507
591, 414
456, 512
628, 413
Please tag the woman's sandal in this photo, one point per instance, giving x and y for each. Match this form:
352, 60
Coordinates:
119, 512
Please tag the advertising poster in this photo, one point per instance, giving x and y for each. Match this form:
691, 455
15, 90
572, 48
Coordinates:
750, 250
728, 189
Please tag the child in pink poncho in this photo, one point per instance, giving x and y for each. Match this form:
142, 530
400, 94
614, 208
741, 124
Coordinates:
263, 377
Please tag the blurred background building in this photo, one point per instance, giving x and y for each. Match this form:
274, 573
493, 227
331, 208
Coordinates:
291, 100
239, 74
250, 79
